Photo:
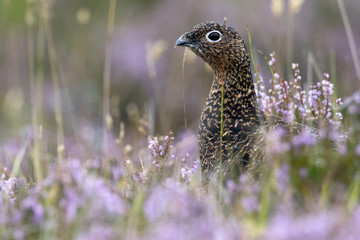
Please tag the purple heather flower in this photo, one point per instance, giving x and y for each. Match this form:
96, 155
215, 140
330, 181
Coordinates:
282, 177
353, 103
274, 142
169, 200
158, 150
97, 231
357, 149
153, 143
353, 229
187, 172
19, 234
33, 204
356, 97
250, 203
342, 149
174, 212
353, 109
71, 203
272, 60
244, 179
81, 189
318, 226
276, 76
303, 172
140, 177
8, 188
304, 139
104, 201
116, 172
231, 186
339, 102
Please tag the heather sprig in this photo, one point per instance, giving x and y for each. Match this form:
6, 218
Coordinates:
186, 171
8, 188
288, 99
160, 153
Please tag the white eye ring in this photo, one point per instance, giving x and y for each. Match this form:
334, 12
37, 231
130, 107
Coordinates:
211, 38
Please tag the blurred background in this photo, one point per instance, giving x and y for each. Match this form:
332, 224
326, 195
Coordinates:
148, 89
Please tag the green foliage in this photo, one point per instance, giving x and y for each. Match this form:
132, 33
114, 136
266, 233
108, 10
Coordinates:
12, 12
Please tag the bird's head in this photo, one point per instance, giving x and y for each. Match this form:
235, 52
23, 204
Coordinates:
217, 44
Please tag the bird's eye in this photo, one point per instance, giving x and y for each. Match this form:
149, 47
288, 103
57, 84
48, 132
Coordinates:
213, 36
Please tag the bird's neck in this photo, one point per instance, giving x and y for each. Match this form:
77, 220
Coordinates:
238, 90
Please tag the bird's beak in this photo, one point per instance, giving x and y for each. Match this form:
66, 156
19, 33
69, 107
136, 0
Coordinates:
182, 41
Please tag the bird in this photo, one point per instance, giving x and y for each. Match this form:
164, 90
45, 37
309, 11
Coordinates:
232, 126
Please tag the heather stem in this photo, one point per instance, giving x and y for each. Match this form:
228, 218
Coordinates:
56, 85
107, 120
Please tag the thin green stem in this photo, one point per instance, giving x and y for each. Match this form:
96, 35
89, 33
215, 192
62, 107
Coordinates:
33, 90
333, 80
252, 56
56, 84
183, 87
270, 67
255, 69
36, 76
350, 37
221, 127
107, 120
333, 77
290, 41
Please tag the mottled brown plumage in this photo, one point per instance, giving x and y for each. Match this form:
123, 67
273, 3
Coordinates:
242, 144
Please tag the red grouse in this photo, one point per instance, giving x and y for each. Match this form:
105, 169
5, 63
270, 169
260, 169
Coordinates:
231, 104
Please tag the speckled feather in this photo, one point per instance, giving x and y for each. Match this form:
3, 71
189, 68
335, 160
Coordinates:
244, 124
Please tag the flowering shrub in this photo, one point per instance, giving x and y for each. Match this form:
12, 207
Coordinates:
310, 185
309, 188
288, 99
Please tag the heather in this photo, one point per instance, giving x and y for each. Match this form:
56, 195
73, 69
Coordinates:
99, 116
